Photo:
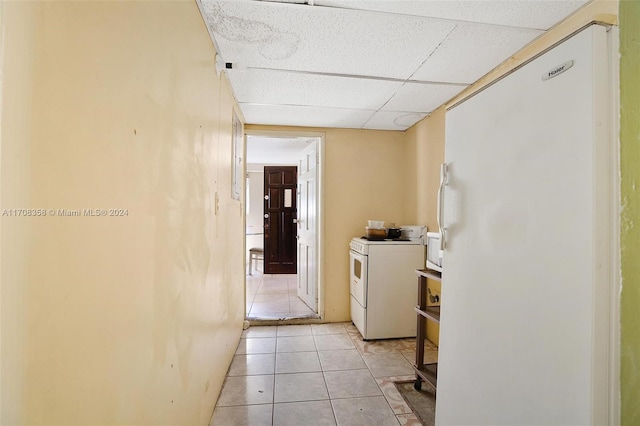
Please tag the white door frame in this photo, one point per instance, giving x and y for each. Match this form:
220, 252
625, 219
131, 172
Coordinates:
320, 200
307, 220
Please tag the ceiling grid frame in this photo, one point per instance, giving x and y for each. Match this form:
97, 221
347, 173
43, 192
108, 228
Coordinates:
375, 64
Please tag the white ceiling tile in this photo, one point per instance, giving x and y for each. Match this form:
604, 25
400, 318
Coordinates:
320, 39
538, 14
419, 97
290, 88
303, 64
392, 120
275, 150
472, 50
286, 115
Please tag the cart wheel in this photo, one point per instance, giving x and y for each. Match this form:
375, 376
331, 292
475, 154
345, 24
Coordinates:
417, 385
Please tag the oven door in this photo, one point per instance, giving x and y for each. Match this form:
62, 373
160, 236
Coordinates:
358, 277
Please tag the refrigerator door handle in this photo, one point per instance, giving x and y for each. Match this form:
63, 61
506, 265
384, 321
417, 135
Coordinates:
440, 205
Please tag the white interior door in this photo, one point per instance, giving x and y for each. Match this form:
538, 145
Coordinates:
307, 226
526, 213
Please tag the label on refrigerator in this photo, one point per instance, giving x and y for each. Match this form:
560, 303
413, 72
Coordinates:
557, 70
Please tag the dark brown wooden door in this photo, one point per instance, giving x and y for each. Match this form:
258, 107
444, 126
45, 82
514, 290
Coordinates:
279, 214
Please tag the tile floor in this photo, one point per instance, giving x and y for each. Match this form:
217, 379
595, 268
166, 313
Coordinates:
317, 374
274, 297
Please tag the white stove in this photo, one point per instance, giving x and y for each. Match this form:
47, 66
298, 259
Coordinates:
361, 244
383, 286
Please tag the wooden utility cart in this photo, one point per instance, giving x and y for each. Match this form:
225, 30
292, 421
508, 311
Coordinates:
427, 373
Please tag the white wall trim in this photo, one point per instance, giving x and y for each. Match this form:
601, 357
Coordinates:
321, 197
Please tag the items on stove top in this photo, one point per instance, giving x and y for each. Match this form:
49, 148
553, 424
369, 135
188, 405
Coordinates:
414, 232
376, 231
394, 233
364, 237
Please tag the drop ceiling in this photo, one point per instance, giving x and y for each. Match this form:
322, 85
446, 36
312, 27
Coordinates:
275, 150
365, 64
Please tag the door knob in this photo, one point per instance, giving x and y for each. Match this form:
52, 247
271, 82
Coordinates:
266, 215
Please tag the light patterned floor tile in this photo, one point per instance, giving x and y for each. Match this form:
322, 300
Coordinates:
273, 286
295, 344
252, 364
309, 385
263, 345
332, 342
246, 415
281, 290
298, 305
393, 396
246, 390
274, 298
294, 330
408, 420
303, 413
267, 307
341, 360
363, 411
379, 346
302, 312
297, 362
385, 365
260, 331
352, 329
408, 345
321, 329
351, 383
300, 387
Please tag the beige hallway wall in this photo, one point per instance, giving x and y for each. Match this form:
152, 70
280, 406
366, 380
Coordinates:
425, 153
129, 319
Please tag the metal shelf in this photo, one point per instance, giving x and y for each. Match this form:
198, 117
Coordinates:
428, 373
429, 273
430, 312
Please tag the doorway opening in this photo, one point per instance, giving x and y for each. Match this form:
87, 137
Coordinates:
282, 213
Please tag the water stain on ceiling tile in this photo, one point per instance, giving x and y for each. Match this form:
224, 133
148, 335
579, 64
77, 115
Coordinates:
329, 40
271, 42
406, 120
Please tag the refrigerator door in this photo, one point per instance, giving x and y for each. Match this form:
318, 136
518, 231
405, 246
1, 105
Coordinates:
525, 209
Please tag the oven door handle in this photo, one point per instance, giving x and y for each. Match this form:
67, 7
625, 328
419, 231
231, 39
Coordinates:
358, 256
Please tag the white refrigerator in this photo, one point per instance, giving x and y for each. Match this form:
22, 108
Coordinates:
527, 217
